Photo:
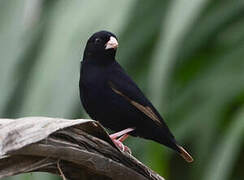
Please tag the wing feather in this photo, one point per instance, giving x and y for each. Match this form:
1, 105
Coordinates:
144, 109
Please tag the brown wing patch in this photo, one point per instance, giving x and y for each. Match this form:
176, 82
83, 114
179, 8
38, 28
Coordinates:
145, 109
185, 154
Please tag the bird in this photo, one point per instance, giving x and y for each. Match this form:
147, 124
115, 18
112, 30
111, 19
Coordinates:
111, 97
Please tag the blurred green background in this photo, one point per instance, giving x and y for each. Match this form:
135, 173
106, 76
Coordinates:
186, 55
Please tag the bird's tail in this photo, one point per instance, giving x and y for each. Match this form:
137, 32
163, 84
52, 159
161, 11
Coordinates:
185, 154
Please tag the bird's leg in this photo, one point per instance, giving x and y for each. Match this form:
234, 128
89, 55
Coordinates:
124, 137
120, 133
119, 137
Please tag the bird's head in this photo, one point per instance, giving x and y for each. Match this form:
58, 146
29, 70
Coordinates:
101, 45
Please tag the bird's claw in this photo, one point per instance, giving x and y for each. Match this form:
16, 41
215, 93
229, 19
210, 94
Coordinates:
119, 137
121, 146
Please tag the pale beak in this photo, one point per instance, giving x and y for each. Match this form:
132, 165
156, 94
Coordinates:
112, 43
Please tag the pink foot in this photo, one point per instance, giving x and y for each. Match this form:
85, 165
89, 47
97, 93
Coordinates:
119, 137
121, 146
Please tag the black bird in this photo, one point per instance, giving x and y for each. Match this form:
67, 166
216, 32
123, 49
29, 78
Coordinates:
111, 97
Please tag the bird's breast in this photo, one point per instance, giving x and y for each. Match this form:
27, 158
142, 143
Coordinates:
93, 90
101, 102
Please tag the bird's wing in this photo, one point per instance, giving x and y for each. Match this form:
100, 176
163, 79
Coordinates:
124, 86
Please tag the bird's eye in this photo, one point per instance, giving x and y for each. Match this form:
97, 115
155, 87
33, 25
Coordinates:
97, 40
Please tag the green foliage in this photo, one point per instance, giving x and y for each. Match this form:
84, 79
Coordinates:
187, 56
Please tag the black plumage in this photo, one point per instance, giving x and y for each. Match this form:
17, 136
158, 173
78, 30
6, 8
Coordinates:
111, 97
